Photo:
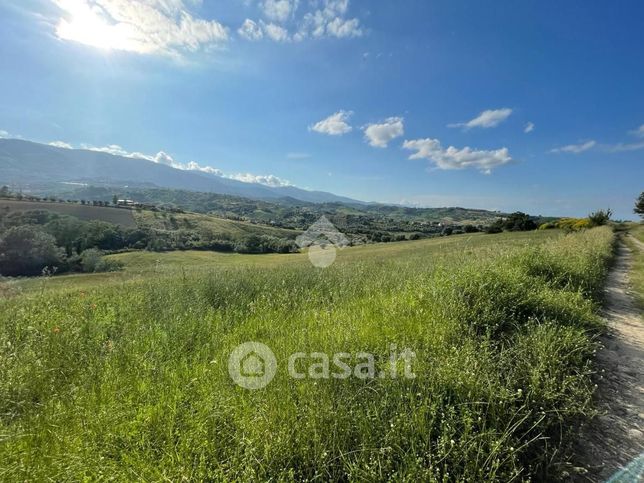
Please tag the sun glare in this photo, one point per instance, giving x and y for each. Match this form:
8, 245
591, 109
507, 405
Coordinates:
86, 25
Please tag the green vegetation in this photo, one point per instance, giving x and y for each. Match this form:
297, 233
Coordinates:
596, 218
637, 270
130, 381
600, 217
639, 205
143, 263
25, 250
364, 222
44, 240
514, 222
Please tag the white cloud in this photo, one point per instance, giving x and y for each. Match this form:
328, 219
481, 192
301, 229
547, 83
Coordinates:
7, 135
279, 10
379, 135
267, 180
575, 148
622, 147
326, 18
114, 149
193, 166
141, 26
250, 30
275, 32
164, 158
486, 119
329, 21
529, 127
334, 125
639, 132
454, 158
60, 144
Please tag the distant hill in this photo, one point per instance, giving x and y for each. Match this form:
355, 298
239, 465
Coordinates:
25, 162
143, 218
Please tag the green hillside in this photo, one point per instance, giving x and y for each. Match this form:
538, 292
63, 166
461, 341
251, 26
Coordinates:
117, 216
143, 218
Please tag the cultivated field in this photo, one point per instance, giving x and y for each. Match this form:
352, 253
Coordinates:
126, 377
117, 216
231, 228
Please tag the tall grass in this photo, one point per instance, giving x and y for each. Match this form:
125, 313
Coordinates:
130, 382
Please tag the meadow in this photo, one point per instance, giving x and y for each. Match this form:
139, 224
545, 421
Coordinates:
126, 377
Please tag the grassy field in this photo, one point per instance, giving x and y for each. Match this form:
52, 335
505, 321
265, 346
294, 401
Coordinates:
158, 220
126, 378
139, 265
637, 271
117, 216
220, 226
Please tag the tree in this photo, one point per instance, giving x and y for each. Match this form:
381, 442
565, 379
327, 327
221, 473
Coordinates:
496, 227
115, 200
600, 217
4, 192
27, 250
519, 221
639, 205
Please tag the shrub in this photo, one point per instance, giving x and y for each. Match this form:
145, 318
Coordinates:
600, 217
574, 224
547, 226
496, 227
93, 261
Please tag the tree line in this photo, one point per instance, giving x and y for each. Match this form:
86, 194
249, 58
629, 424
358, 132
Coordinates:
38, 240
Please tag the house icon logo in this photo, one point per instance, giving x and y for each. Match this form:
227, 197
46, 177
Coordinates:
322, 240
252, 365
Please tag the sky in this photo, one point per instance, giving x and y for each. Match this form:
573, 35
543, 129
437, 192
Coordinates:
535, 106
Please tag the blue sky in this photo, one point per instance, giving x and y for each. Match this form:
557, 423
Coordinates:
419, 102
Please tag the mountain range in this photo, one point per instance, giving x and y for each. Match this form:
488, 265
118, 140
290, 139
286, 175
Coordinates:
28, 162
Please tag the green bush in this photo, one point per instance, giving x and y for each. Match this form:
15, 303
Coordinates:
93, 260
600, 217
27, 250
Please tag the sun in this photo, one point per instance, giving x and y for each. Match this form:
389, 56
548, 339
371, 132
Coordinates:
89, 26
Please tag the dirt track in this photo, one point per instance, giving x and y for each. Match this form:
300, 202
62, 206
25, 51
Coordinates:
616, 437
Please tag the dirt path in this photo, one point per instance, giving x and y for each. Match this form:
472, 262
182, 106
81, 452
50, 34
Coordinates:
638, 243
616, 437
